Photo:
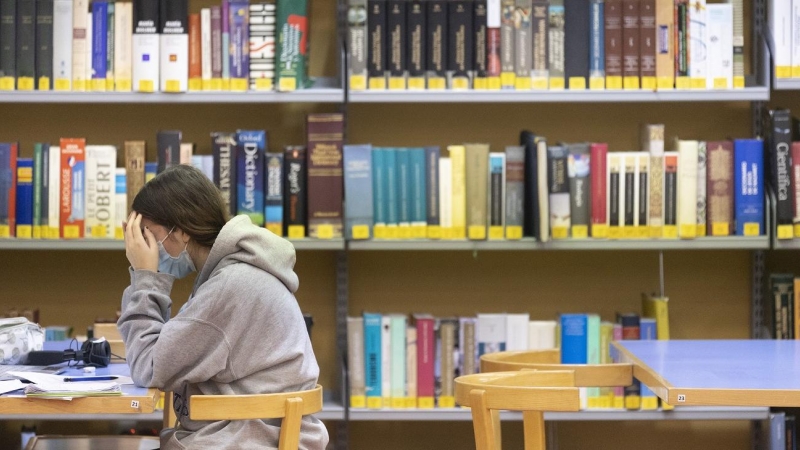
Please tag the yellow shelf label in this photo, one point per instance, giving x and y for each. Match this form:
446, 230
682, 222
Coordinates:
24, 231
360, 231
666, 83
688, 231
7, 83
397, 84
785, 232
98, 84
448, 233
404, 232
600, 231
514, 232
297, 231
795, 71
446, 401
226, 84
374, 402
643, 232
434, 232
26, 83
492, 84
539, 83
580, 231
720, 83
216, 84
146, 86
783, 72
619, 402
752, 229
110, 84
37, 232
425, 402
379, 231
44, 83
496, 233
262, 84
649, 83
392, 232
240, 84
459, 232
411, 402
670, 231
72, 232
633, 402
556, 84
275, 228
5, 231
597, 83
63, 84
119, 233
358, 401
683, 83
358, 82
477, 232
508, 80
419, 231
325, 231
629, 232
416, 83
560, 232
480, 83
738, 82
630, 83
614, 82
649, 403
433, 83
797, 230
699, 83
172, 86
285, 84
523, 84
123, 84
98, 231
656, 231
591, 402
398, 403
614, 232
701, 230
79, 85
55, 233
720, 229
460, 83
577, 83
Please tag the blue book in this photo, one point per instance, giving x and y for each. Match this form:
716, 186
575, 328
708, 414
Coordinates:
150, 170
25, 198
574, 338
250, 153
372, 356
647, 331
597, 56
404, 186
273, 204
432, 155
392, 204
239, 39
419, 213
379, 174
358, 191
99, 40
749, 186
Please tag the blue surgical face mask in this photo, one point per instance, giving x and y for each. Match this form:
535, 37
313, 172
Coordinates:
179, 266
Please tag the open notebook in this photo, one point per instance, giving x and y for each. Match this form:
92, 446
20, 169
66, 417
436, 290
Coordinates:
44, 385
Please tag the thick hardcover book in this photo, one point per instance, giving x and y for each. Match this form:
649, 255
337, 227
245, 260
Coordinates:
719, 188
477, 172
174, 45
531, 219
391, 186
168, 150
325, 196
397, 377
615, 162
647, 38
357, 43
358, 191
217, 49
612, 32
574, 338
523, 44
556, 44
415, 43
599, 183
782, 291
62, 45
44, 44
560, 222
8, 49
73, 161
749, 186
796, 186
26, 44
432, 155
597, 57
631, 38
576, 40
134, 169
480, 43
250, 154
395, 39
379, 194
460, 51
516, 195
223, 149
292, 45
702, 177
671, 188
24, 198
239, 54
101, 163
687, 187
436, 40
205, 46
146, 45
99, 46
539, 24
653, 143
780, 163
507, 44
497, 195
355, 361
273, 201
296, 189
426, 351
578, 165
738, 43
195, 52
372, 359
376, 37
665, 43
8, 189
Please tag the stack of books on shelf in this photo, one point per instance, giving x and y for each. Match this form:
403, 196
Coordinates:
399, 362
74, 190
539, 44
153, 45
784, 23
783, 171
545, 190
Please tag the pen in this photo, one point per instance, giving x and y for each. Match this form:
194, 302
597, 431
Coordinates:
97, 378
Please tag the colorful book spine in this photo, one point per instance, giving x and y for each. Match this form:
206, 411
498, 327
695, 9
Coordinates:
110, 45
358, 179
120, 202
497, 196
273, 203
101, 162
225, 11
574, 338
558, 182
597, 57
698, 44
73, 172
99, 45
296, 192
515, 192
702, 177
195, 53
223, 149
262, 46
372, 360
749, 186
599, 183
205, 48
411, 367
578, 172
39, 175
250, 153
493, 44
150, 171
386, 360
476, 181
217, 48
24, 198
523, 45
425, 360
325, 186
665, 44
458, 202
292, 50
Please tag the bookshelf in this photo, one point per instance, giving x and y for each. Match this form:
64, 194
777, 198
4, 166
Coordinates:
109, 244
786, 84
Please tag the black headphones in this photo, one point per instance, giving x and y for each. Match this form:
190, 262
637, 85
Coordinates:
93, 352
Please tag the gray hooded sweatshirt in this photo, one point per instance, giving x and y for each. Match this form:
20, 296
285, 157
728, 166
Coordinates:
241, 332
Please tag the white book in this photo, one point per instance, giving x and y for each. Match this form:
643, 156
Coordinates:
205, 46
544, 196
780, 23
698, 44
386, 359
89, 50
54, 193
146, 57
542, 335
445, 193
80, 44
174, 65
120, 202
62, 44
795, 42
719, 17
687, 187
100, 191
123, 46
702, 176
517, 331
490, 334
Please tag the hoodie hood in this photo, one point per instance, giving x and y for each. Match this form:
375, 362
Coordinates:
240, 241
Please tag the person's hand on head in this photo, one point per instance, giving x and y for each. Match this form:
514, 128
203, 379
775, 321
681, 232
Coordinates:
140, 245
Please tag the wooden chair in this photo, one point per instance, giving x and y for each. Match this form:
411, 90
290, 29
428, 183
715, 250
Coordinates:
289, 406
586, 375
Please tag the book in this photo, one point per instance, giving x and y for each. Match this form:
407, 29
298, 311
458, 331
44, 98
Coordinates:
748, 185
425, 359
497, 196
665, 44
468, 351
26, 45
476, 180
88, 60
446, 197
44, 44
120, 202
574, 338
531, 219
480, 43
292, 49
386, 360
150, 171
225, 37
377, 48
460, 46
556, 37
411, 367
355, 361
195, 53
174, 45
273, 201
39, 185
796, 186
358, 170
778, 146
415, 42
720, 57
99, 37
592, 356
597, 69
515, 194
54, 194
123, 47
251, 147
542, 334
110, 48
62, 45
134, 170
80, 45
698, 44
372, 360
558, 183
631, 331
493, 43
458, 196
490, 333
8, 48
397, 376
146, 46
647, 329
702, 195
432, 155
169, 149
523, 44
615, 196
687, 188
578, 164
325, 135
296, 192
73, 170
508, 42
24, 198
437, 44
631, 43
647, 43
397, 55
403, 188
671, 165
599, 187
612, 32
262, 46
542, 189
539, 26
223, 147
358, 42
738, 42
101, 163
217, 48
577, 32
781, 288
447, 348
517, 331
656, 307
719, 188
417, 192
205, 48
239, 49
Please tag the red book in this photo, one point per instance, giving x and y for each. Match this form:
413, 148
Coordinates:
599, 154
195, 49
73, 159
796, 180
9, 228
493, 52
325, 185
426, 355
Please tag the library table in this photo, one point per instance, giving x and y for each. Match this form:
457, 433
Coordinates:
716, 372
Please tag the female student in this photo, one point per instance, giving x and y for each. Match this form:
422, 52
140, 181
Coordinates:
241, 332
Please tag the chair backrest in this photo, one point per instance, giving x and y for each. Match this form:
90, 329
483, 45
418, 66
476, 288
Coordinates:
529, 391
593, 375
290, 406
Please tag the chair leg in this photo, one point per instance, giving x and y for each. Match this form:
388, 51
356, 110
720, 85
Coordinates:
290, 428
533, 428
498, 430
484, 422
169, 412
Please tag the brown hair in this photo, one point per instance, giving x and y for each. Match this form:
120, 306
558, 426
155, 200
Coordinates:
183, 197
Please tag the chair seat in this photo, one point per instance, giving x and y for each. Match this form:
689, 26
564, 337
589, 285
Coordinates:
93, 443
